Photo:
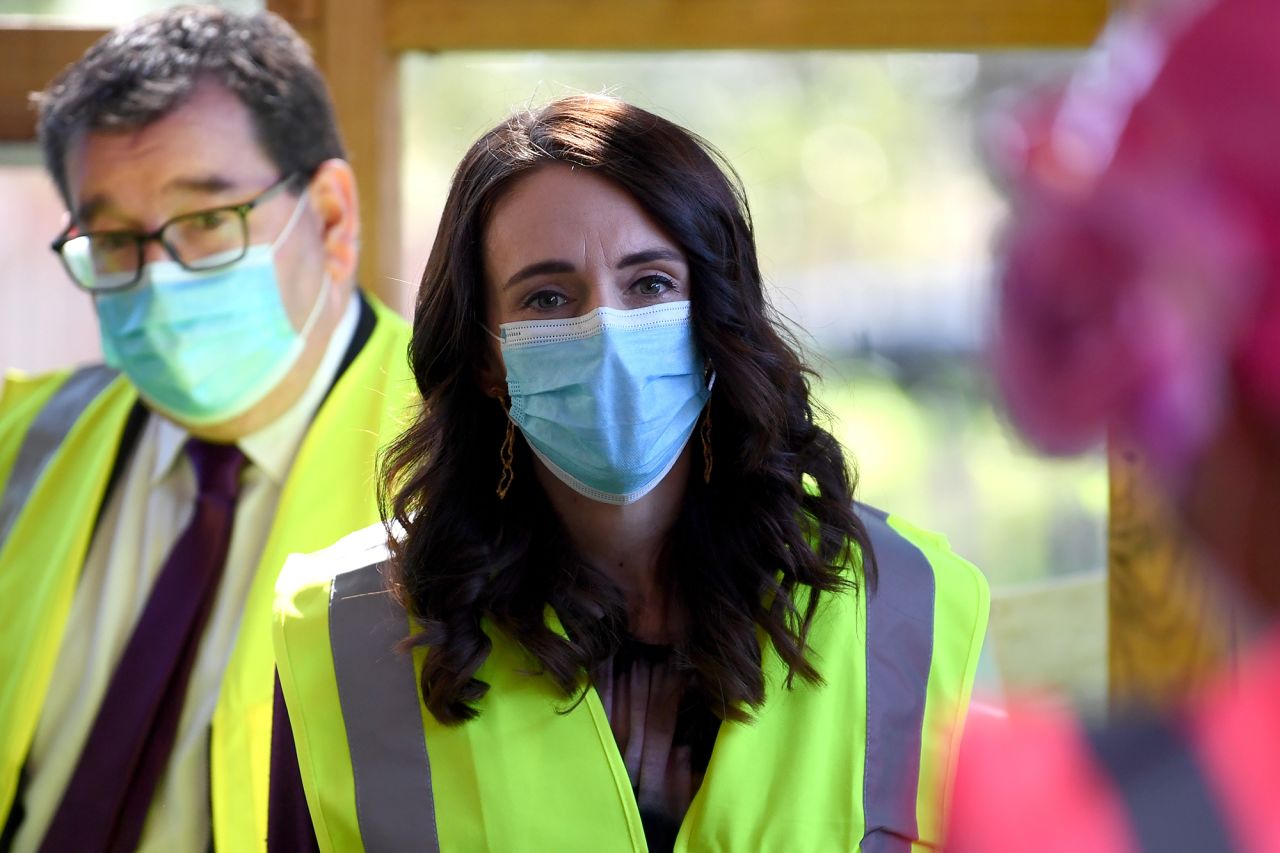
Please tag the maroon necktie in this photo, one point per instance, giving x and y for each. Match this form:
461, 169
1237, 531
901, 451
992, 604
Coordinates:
106, 802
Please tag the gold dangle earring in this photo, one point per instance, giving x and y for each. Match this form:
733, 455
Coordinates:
706, 445
507, 454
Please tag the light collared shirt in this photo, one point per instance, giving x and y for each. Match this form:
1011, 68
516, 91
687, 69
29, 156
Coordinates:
143, 518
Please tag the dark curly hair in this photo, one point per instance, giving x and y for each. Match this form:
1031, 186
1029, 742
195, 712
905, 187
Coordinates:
139, 73
756, 548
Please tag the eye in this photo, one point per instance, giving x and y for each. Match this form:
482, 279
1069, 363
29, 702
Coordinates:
209, 220
113, 241
654, 285
545, 300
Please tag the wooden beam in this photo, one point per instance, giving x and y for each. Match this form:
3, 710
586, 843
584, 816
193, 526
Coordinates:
305, 16
34, 51
363, 77
1170, 627
436, 25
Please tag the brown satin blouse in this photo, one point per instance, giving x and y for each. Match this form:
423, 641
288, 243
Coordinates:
664, 729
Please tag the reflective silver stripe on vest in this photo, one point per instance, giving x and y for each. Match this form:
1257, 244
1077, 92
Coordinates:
899, 654
378, 691
45, 436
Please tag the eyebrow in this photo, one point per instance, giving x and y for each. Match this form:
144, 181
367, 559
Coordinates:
204, 184
553, 266
209, 184
537, 269
648, 256
89, 207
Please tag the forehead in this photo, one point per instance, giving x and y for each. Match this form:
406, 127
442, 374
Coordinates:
211, 134
564, 212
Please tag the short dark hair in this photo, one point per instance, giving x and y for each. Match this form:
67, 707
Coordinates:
140, 72
755, 549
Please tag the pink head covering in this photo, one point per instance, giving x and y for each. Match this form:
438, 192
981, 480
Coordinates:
1141, 286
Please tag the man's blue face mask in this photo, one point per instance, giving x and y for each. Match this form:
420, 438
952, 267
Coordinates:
205, 347
607, 400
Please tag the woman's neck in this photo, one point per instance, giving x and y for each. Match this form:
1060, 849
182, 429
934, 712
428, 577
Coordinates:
626, 542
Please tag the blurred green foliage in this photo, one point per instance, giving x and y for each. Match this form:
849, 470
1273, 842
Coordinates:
939, 455
843, 155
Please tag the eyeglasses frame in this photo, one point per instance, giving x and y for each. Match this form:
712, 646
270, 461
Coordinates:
141, 240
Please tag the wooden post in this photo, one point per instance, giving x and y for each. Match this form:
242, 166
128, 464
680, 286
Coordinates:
363, 76
33, 52
1170, 627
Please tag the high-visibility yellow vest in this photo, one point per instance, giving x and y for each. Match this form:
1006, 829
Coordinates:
860, 763
59, 437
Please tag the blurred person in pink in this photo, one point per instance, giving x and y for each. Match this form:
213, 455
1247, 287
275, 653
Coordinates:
1140, 298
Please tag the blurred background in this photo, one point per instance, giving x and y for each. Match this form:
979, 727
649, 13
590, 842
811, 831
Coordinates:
875, 217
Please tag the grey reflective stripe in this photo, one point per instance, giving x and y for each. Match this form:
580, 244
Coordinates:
45, 436
378, 690
1168, 798
899, 653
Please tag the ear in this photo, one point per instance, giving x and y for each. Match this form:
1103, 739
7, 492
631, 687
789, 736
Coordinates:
334, 200
492, 373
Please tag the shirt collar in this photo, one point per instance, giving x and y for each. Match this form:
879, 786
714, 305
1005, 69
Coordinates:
272, 448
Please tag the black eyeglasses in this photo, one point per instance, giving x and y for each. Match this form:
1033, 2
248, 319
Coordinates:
105, 261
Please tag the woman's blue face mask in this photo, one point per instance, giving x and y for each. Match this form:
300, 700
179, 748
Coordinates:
608, 400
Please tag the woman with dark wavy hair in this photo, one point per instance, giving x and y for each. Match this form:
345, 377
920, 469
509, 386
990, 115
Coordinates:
643, 609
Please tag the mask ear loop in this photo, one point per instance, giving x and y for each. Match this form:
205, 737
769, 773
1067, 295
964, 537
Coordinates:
326, 283
293, 219
316, 309
706, 428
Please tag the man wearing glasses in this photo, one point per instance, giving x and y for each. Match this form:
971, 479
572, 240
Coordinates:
147, 504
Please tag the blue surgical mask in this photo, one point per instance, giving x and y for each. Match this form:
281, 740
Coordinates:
607, 400
205, 347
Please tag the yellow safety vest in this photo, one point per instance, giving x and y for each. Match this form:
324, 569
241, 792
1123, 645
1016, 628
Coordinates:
59, 437
860, 763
